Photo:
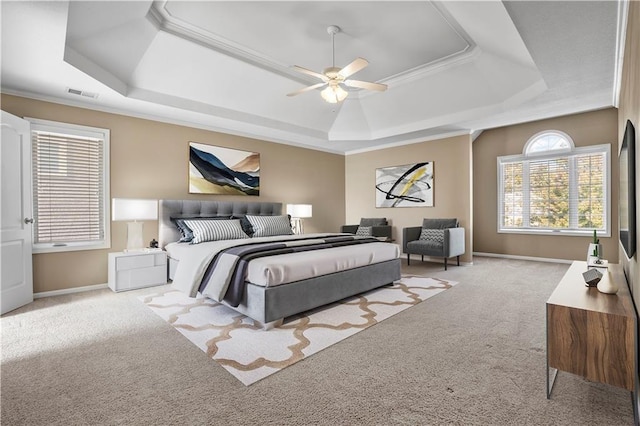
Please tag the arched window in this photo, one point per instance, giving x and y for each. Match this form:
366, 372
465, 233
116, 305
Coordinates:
555, 187
548, 141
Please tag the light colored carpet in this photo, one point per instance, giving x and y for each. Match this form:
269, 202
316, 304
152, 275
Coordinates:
473, 355
251, 353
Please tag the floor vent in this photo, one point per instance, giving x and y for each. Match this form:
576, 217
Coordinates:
82, 93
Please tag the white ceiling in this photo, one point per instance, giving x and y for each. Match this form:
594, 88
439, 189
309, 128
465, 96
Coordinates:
452, 67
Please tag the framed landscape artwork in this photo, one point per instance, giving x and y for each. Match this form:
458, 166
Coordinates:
410, 185
223, 171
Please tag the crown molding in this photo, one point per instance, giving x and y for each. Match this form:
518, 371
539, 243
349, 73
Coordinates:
412, 141
621, 37
468, 53
165, 21
162, 19
262, 135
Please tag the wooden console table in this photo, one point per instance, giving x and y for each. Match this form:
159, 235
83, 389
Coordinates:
592, 334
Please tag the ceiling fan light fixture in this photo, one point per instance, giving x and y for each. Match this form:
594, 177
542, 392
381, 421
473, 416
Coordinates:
334, 76
334, 94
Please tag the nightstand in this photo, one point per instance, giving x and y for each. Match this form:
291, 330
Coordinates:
131, 270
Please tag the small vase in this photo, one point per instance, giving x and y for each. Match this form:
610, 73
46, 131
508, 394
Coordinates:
607, 284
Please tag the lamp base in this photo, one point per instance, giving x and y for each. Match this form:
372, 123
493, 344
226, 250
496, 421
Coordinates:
135, 241
297, 226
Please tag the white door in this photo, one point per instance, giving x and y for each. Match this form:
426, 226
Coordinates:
16, 287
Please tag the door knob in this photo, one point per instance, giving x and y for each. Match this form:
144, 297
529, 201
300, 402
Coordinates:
28, 220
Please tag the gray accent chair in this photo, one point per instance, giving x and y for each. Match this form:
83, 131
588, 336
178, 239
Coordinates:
452, 245
379, 227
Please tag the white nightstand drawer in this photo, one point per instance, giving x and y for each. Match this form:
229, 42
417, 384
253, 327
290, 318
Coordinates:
128, 271
141, 261
136, 278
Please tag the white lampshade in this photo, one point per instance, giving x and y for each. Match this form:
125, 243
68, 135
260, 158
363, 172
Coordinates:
299, 210
134, 209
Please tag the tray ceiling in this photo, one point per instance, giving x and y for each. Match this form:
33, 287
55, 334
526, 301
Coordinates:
451, 67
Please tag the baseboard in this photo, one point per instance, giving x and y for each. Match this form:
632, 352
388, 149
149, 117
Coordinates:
430, 259
531, 258
452, 260
68, 291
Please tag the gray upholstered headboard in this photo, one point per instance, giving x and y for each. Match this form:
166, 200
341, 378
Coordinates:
167, 231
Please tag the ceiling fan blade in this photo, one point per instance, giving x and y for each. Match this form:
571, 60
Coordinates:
309, 72
306, 89
365, 85
353, 67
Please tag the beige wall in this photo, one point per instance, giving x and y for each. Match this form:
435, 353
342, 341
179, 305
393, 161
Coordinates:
335, 184
630, 110
150, 160
452, 185
593, 128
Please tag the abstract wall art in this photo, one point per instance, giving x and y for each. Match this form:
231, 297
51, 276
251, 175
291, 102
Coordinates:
224, 171
410, 185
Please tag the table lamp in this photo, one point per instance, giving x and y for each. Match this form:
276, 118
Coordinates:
297, 213
134, 210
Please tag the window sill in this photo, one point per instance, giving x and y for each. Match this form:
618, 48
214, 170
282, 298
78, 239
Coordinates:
49, 248
553, 232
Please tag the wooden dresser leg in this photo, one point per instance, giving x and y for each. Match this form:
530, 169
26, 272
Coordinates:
551, 379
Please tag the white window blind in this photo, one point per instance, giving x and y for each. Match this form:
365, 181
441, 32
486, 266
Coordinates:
70, 187
562, 190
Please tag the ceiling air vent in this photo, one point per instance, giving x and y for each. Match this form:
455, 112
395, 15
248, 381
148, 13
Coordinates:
82, 93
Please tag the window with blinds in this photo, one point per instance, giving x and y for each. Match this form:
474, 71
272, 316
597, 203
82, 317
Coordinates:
555, 187
70, 187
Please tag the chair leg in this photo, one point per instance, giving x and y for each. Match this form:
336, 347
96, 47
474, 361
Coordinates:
408, 260
422, 256
458, 257
445, 263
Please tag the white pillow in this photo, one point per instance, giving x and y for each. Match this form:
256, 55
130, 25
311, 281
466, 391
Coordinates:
215, 230
268, 226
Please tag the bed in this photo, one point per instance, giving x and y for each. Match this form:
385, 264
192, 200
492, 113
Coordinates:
369, 266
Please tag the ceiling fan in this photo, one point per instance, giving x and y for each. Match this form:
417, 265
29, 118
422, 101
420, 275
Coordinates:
334, 77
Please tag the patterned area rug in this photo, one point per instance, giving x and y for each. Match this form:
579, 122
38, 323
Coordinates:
250, 353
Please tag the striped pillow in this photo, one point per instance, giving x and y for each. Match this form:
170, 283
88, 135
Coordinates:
187, 234
215, 230
267, 226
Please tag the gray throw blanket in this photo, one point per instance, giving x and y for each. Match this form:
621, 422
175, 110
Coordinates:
228, 269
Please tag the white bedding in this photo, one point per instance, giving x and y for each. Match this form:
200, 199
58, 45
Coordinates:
279, 269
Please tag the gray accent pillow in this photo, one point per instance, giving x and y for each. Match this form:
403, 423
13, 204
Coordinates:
373, 221
185, 232
433, 235
215, 230
246, 225
268, 226
364, 231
